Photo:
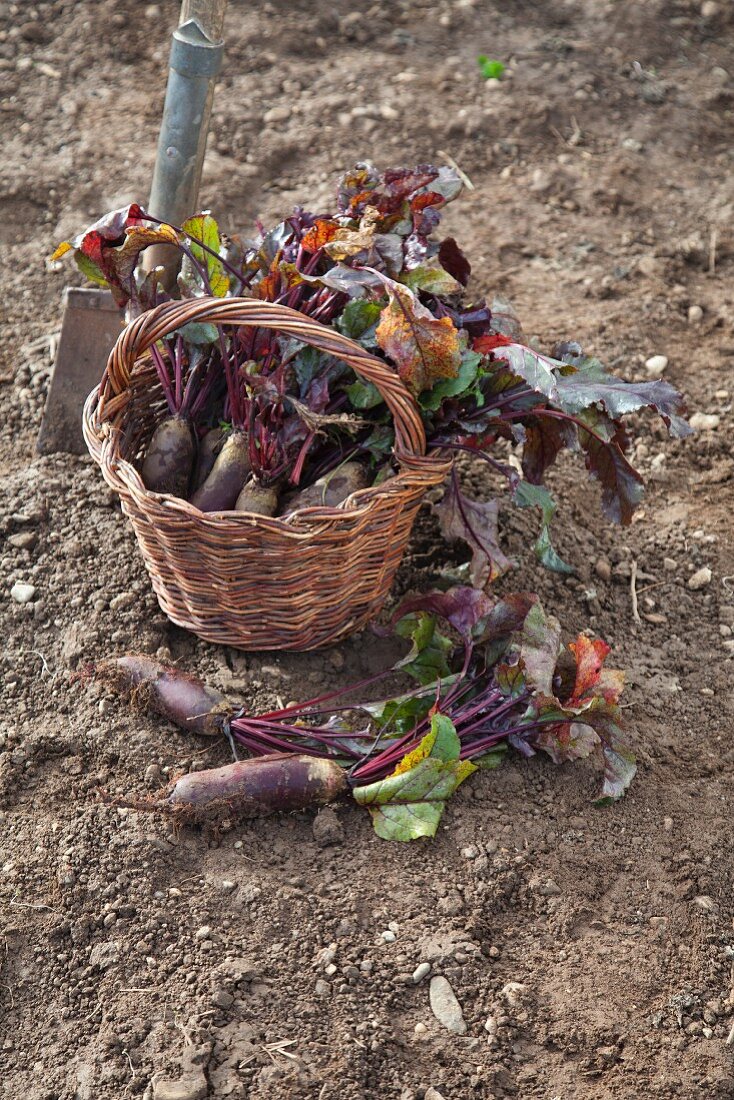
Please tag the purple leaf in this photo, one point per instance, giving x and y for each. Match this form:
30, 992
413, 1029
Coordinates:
475, 524
454, 261
461, 606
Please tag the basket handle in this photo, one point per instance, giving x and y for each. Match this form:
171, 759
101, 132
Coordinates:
137, 337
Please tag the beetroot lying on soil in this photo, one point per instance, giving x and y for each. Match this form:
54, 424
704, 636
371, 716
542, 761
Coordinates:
502, 679
279, 783
178, 696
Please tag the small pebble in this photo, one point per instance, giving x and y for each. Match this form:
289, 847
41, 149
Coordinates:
24, 540
670, 564
433, 1094
470, 852
387, 936
512, 993
695, 315
222, 999
729, 646
123, 601
603, 570
228, 886
721, 395
709, 9
656, 365
203, 933
700, 579
22, 593
153, 775
421, 971
707, 1033
705, 422
420, 1029
322, 988
668, 824
277, 114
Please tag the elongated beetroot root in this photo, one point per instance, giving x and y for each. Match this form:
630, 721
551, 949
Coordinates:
209, 447
178, 696
228, 474
277, 783
169, 458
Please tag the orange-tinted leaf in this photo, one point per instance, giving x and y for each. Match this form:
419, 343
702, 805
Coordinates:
424, 348
320, 233
425, 198
269, 286
611, 684
589, 656
492, 340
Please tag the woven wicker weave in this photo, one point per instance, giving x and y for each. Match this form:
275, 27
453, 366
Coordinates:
249, 581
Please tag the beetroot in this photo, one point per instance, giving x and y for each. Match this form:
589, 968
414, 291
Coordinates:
175, 695
280, 782
209, 447
169, 458
259, 500
228, 474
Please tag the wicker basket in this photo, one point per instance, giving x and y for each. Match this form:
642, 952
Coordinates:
255, 582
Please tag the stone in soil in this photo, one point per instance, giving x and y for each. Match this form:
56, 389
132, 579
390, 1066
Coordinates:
192, 1086
700, 579
421, 971
704, 422
445, 1006
22, 593
656, 365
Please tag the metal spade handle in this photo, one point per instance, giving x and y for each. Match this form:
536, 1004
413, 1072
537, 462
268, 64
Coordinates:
196, 57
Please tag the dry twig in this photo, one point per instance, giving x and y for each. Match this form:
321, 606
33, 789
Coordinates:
633, 592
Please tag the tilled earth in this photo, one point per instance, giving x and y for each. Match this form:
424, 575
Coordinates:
590, 949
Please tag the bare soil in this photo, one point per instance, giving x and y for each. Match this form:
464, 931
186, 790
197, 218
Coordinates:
599, 941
